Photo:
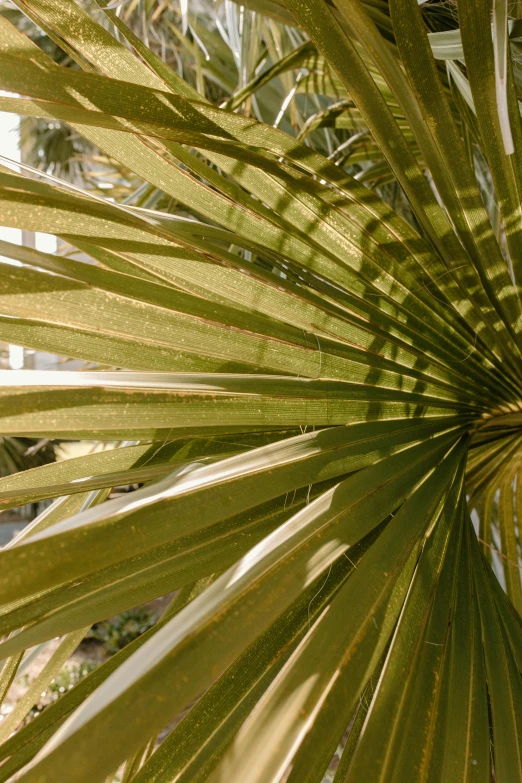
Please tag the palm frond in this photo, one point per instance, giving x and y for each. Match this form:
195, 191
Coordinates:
320, 395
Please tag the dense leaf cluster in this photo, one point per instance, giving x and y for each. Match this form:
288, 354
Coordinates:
310, 360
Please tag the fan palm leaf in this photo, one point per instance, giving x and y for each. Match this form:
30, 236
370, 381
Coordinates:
318, 393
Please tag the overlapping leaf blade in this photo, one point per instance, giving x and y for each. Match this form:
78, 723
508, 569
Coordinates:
293, 297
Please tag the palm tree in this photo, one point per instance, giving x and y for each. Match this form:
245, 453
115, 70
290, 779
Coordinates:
320, 398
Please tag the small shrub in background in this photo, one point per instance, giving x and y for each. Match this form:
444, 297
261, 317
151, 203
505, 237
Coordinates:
114, 634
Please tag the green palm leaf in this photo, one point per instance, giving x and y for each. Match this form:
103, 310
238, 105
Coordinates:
319, 394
